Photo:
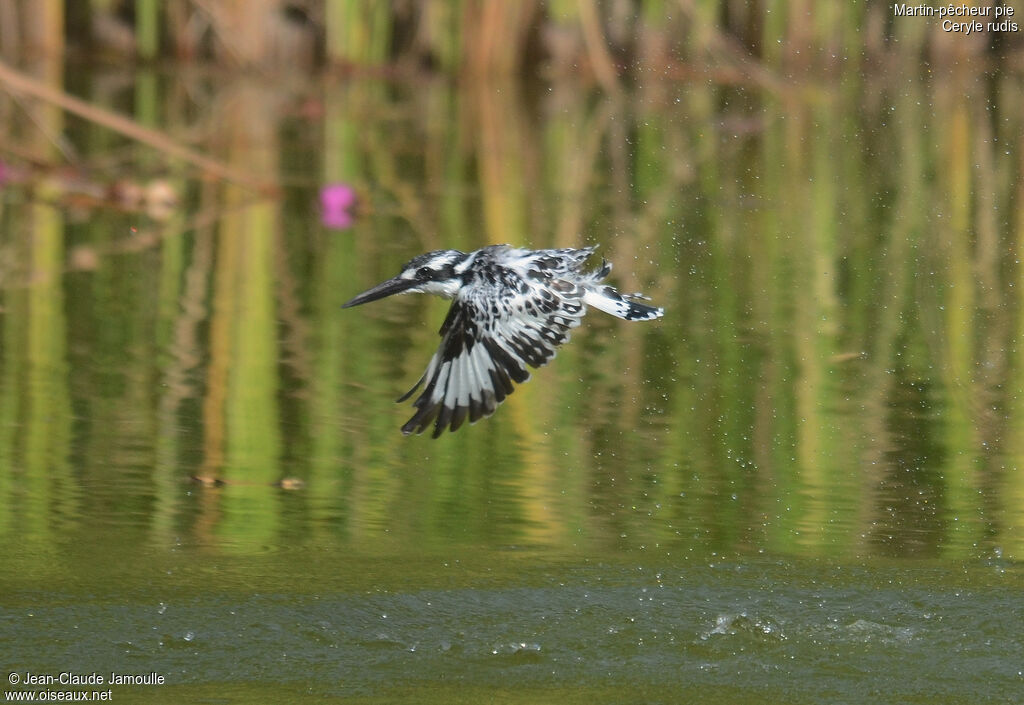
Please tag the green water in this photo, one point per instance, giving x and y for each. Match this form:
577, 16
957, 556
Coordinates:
803, 485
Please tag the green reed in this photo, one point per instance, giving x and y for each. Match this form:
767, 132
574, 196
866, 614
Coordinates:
489, 36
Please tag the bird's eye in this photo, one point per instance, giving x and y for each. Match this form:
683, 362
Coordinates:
424, 272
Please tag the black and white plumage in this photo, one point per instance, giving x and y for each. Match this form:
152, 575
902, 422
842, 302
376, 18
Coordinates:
511, 309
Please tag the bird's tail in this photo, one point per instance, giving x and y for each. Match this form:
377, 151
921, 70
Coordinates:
607, 299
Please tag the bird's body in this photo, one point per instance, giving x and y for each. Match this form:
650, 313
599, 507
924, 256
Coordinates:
511, 309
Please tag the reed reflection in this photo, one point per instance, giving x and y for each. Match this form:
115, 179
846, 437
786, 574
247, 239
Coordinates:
836, 373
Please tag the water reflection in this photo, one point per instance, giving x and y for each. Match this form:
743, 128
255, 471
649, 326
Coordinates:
837, 373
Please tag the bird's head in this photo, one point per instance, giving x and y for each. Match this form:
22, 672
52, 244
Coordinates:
432, 273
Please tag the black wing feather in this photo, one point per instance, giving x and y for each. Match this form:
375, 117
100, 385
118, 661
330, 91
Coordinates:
474, 369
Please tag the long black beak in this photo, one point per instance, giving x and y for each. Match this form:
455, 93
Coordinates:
391, 286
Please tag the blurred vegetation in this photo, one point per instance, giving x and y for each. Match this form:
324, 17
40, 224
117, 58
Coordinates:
601, 39
827, 201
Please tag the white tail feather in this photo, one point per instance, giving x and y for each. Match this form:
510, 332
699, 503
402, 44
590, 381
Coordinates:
610, 301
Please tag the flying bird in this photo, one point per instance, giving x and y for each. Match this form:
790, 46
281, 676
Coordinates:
511, 309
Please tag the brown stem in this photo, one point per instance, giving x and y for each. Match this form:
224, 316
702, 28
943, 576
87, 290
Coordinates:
17, 82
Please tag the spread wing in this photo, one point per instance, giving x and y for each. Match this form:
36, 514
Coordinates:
486, 346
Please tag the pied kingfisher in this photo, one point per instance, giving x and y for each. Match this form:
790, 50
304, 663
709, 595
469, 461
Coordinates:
511, 308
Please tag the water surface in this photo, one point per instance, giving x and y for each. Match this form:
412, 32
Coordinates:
802, 485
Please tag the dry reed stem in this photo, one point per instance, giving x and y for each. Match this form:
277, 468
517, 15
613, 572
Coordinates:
17, 82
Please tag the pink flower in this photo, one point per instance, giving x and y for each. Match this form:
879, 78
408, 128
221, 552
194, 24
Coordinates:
336, 204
